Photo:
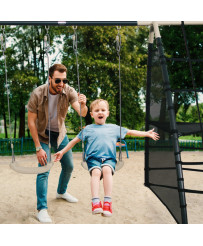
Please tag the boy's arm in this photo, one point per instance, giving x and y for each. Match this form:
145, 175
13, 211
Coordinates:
150, 134
69, 146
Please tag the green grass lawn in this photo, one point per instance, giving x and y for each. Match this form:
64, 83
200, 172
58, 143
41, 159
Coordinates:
190, 138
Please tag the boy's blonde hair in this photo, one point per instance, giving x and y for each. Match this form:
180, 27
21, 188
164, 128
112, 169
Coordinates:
96, 102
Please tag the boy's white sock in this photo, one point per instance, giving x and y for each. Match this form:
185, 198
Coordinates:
95, 200
107, 199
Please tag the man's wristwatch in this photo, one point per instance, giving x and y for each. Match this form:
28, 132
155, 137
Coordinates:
38, 148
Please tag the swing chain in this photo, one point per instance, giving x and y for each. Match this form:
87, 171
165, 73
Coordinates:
3, 49
3, 39
47, 39
75, 49
75, 40
118, 40
47, 48
118, 48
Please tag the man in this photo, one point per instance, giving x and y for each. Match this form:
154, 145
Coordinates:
40, 119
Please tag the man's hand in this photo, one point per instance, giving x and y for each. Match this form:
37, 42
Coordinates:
82, 99
76, 105
42, 157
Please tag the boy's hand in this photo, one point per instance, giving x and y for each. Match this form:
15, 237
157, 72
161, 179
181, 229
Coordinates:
152, 134
58, 156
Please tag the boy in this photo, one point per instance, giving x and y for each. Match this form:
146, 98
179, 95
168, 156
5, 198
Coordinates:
101, 141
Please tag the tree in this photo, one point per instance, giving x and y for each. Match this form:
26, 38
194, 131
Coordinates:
179, 72
98, 66
190, 114
26, 69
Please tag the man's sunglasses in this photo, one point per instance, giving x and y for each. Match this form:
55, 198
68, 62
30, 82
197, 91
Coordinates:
57, 81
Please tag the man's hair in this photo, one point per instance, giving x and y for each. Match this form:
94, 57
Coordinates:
57, 67
96, 102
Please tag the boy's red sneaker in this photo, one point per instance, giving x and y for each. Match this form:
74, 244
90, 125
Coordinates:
107, 209
97, 208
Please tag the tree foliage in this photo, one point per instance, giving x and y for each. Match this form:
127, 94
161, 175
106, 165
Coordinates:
179, 71
98, 69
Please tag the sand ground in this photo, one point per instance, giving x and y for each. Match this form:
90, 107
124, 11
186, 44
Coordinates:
133, 203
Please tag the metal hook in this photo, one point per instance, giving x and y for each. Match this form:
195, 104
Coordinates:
3, 39
118, 40
75, 47
47, 39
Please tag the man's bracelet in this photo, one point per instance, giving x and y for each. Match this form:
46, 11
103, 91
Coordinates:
38, 148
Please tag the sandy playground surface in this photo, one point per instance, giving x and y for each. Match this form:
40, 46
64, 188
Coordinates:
133, 203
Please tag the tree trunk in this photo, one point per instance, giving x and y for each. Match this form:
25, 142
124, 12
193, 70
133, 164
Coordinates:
22, 122
28, 132
5, 125
15, 125
117, 109
88, 118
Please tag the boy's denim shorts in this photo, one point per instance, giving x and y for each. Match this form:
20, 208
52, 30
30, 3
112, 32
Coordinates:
99, 163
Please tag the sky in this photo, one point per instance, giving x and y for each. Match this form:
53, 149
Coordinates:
105, 10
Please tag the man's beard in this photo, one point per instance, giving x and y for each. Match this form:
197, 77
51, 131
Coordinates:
53, 88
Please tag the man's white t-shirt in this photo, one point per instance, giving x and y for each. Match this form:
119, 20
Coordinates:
53, 114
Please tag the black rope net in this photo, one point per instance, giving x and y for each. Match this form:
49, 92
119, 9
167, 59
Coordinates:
161, 174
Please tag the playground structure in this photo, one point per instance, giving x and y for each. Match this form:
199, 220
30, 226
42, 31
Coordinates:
163, 165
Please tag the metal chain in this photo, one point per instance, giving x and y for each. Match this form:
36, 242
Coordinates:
75, 48
3, 49
47, 48
118, 41
118, 48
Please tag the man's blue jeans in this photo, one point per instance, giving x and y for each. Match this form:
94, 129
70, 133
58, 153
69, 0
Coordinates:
42, 179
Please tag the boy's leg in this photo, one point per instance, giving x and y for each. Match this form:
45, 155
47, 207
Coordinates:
95, 182
107, 183
107, 180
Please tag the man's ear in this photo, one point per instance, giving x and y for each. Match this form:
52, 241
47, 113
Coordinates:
108, 113
91, 114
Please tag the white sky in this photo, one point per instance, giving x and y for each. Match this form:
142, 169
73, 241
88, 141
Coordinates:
105, 10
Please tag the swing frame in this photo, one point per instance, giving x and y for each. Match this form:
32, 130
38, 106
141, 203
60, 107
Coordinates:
154, 34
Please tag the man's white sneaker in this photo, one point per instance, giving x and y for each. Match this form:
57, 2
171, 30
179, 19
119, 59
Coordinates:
66, 196
43, 216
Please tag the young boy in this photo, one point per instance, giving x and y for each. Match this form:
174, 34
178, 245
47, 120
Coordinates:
101, 141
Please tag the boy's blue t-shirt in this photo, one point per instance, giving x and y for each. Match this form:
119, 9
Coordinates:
101, 140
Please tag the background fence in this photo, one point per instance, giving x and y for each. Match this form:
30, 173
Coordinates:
26, 145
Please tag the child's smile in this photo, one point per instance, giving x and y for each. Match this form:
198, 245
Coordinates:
100, 113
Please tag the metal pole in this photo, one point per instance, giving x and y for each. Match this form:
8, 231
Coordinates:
98, 23
172, 124
149, 65
70, 23
168, 23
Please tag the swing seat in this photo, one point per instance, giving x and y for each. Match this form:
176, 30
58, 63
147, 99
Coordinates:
30, 170
84, 165
119, 165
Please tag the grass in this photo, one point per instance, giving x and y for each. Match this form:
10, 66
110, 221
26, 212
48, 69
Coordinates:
191, 137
